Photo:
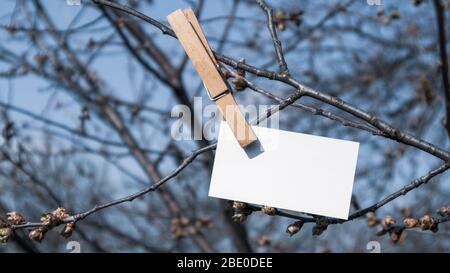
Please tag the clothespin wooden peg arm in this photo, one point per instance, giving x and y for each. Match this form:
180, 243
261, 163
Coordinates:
188, 31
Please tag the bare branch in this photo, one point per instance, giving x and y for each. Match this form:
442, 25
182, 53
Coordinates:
390, 131
440, 18
276, 42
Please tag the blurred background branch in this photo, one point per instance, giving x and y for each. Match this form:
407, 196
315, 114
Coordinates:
86, 95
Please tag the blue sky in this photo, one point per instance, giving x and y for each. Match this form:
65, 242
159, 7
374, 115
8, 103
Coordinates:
115, 68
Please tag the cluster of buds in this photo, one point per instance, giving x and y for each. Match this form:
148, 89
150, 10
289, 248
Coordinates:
240, 211
389, 226
269, 210
411, 223
38, 233
178, 227
5, 232
426, 222
239, 83
444, 212
67, 231
387, 222
48, 222
294, 227
15, 218
59, 214
372, 220
320, 227
429, 223
281, 17
396, 233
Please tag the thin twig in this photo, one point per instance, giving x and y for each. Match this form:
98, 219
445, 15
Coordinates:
187, 161
403, 191
389, 130
440, 17
316, 111
276, 42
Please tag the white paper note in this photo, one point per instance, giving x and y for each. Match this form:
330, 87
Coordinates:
299, 172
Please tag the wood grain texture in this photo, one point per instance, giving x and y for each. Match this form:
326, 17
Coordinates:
190, 15
190, 34
198, 53
236, 120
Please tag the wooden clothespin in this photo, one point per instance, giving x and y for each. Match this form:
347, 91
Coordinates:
188, 30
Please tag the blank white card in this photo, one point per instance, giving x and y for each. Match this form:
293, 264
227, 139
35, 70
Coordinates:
298, 172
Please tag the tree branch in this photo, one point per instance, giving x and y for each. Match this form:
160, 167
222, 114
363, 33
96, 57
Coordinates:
276, 42
440, 17
388, 129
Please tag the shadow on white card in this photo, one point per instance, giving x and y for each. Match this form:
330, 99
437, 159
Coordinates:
254, 149
298, 172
